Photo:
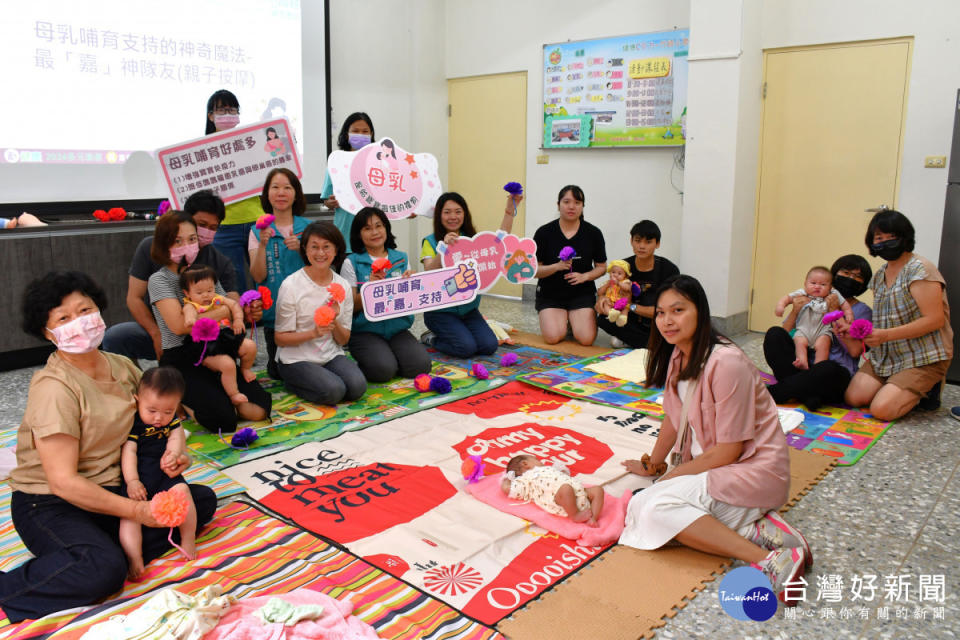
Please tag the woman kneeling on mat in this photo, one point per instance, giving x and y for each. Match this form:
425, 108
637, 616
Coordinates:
732, 471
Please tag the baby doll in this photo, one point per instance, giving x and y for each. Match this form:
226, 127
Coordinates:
199, 297
156, 435
616, 292
809, 323
552, 489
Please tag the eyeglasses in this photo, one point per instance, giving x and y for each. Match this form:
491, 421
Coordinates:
223, 111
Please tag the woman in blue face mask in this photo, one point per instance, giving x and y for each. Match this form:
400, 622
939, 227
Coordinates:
355, 134
912, 343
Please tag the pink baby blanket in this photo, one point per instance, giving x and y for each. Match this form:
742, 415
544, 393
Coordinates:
611, 518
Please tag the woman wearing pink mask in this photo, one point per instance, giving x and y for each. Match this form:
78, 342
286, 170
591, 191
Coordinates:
223, 113
140, 340
175, 245
66, 502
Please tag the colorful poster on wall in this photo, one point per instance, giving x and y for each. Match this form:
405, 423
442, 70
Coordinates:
383, 175
633, 88
232, 163
426, 291
496, 255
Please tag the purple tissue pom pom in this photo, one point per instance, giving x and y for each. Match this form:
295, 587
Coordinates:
479, 371
566, 253
244, 437
635, 289
440, 385
509, 359
204, 330
248, 297
513, 188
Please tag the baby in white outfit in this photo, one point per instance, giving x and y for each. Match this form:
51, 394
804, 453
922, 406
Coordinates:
552, 489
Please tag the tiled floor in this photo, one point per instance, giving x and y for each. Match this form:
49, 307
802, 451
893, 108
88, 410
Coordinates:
894, 513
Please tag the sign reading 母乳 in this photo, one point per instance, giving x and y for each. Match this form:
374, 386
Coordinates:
425, 291
232, 163
496, 254
384, 176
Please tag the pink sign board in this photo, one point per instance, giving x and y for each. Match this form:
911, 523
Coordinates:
496, 254
384, 176
233, 163
425, 291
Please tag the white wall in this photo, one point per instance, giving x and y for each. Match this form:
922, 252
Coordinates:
386, 58
724, 118
622, 186
934, 80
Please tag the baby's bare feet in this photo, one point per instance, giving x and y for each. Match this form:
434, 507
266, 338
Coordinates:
801, 363
238, 398
582, 516
248, 375
135, 568
189, 549
592, 522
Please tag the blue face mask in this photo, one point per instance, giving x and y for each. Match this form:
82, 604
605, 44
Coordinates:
358, 140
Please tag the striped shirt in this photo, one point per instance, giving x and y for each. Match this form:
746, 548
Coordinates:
162, 285
894, 306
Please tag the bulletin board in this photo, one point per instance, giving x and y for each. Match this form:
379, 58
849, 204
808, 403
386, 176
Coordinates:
626, 91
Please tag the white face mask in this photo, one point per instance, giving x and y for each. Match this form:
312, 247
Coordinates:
81, 335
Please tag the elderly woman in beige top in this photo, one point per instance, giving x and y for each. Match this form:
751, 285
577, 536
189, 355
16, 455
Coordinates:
733, 469
66, 503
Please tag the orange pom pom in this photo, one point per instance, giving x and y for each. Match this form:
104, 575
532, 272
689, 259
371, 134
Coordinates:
336, 292
266, 298
170, 507
324, 316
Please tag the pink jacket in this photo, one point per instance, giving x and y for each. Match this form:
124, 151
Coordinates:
731, 404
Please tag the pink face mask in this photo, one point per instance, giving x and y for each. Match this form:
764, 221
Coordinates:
80, 335
188, 251
225, 121
205, 236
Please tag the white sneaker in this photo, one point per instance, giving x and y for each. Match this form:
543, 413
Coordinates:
783, 567
617, 343
427, 338
773, 532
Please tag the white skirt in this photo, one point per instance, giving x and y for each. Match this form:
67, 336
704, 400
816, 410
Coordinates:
660, 512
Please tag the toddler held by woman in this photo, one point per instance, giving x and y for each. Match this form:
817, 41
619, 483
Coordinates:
200, 297
811, 332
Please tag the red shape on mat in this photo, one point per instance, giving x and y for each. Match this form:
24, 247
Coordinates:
394, 565
506, 399
533, 571
578, 452
354, 503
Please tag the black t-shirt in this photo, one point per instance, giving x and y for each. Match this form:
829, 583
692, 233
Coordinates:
142, 267
649, 282
590, 247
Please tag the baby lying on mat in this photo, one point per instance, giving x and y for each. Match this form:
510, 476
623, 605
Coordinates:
552, 489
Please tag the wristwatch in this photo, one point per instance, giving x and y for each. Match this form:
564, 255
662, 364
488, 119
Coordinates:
633, 308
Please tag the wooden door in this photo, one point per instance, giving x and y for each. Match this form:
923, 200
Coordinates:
831, 143
487, 119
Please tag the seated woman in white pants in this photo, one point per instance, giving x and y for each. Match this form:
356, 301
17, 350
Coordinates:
734, 471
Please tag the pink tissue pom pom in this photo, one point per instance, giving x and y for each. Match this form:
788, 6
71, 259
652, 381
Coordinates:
169, 508
265, 221
829, 318
509, 359
422, 382
205, 330
620, 304
860, 328
336, 292
479, 371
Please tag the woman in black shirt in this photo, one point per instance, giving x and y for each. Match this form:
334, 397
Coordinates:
566, 291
